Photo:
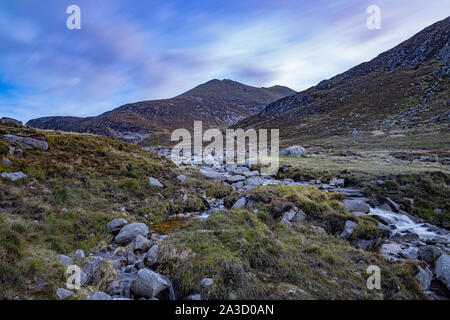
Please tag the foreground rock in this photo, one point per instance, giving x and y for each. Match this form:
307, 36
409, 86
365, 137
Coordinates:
149, 284
26, 142
129, 232
98, 295
115, 225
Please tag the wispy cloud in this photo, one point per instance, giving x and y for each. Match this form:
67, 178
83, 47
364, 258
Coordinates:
134, 50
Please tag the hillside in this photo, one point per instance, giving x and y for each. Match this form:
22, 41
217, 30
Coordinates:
216, 103
397, 100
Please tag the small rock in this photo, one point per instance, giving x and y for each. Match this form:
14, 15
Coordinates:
300, 216
141, 244
13, 176
99, 295
79, 255
254, 181
130, 231
152, 256
155, 182
424, 278
196, 296
115, 225
7, 162
206, 282
318, 229
442, 269
235, 178
181, 178
240, 203
428, 253
393, 205
63, 293
294, 151
65, 260
149, 284
348, 229
356, 206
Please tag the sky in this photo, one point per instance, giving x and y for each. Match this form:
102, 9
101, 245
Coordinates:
128, 50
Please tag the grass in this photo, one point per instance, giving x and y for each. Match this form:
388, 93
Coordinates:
71, 192
254, 256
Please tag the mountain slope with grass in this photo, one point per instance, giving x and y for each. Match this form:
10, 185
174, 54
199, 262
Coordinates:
397, 100
217, 103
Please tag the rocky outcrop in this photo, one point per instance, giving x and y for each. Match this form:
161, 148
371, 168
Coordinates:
26, 142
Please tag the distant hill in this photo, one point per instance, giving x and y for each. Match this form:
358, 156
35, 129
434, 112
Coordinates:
401, 89
218, 103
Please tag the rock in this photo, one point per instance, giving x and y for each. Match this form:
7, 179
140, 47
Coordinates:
181, 178
152, 256
196, 296
394, 206
364, 244
98, 295
210, 174
318, 229
130, 231
141, 244
6, 120
424, 278
442, 269
356, 206
148, 284
437, 210
286, 222
26, 142
79, 255
155, 182
65, 260
63, 293
300, 216
294, 151
206, 282
428, 253
92, 265
385, 207
254, 181
240, 203
7, 162
348, 229
290, 214
238, 185
234, 179
253, 173
336, 182
115, 225
13, 176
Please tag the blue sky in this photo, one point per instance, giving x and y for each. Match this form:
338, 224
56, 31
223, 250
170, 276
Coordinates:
130, 50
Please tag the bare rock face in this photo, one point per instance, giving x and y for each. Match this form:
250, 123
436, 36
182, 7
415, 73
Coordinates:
26, 142
6, 120
149, 284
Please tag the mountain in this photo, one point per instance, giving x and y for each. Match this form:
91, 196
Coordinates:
217, 103
402, 89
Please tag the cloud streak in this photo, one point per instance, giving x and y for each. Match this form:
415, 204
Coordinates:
128, 51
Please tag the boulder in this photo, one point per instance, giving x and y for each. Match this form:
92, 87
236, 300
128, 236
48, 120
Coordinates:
130, 231
442, 269
181, 178
63, 293
149, 284
26, 142
348, 229
65, 260
294, 151
13, 176
152, 256
356, 206
99, 295
253, 173
155, 182
211, 174
290, 214
141, 244
240, 203
424, 278
206, 282
300, 216
318, 229
7, 162
428, 253
115, 225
